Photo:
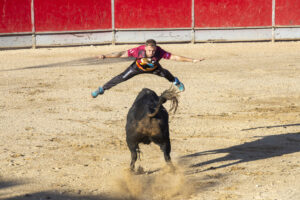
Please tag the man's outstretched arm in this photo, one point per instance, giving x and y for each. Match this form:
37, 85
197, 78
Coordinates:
185, 59
121, 54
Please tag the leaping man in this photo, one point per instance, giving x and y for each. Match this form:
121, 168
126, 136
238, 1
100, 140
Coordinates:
147, 59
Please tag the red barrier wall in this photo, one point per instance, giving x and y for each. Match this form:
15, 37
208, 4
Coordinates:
68, 15
80, 15
15, 16
287, 12
153, 14
233, 13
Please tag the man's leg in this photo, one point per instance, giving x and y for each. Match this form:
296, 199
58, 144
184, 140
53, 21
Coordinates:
130, 72
166, 74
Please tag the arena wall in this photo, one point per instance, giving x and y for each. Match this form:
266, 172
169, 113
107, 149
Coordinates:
37, 23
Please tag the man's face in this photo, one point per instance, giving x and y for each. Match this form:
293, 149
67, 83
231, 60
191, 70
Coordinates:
150, 51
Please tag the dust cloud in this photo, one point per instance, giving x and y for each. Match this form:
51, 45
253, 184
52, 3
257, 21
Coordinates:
167, 183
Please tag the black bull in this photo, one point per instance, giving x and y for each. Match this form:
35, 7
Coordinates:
148, 121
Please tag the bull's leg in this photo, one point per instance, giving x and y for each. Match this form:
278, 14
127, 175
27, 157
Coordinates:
166, 148
133, 150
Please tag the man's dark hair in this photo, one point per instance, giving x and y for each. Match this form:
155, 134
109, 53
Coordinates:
151, 42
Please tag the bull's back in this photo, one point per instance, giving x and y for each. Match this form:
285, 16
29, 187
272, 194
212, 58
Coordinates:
145, 103
138, 120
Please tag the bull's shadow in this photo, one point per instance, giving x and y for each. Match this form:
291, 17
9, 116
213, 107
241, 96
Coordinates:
77, 62
59, 196
7, 186
262, 148
9, 183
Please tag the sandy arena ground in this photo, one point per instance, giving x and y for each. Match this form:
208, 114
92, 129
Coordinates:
236, 134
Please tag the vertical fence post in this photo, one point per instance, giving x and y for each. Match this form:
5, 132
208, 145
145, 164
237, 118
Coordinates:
273, 20
33, 25
193, 22
113, 22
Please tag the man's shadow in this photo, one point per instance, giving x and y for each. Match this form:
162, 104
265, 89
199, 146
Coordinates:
262, 148
73, 63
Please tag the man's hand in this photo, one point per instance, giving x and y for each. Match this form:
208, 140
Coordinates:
101, 56
198, 60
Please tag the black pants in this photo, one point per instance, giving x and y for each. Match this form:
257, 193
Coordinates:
133, 70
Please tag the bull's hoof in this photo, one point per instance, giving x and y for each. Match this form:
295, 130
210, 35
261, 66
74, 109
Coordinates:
169, 168
140, 170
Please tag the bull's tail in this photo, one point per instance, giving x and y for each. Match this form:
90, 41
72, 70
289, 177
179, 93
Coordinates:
169, 94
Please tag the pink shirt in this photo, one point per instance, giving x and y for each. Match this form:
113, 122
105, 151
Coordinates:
140, 52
